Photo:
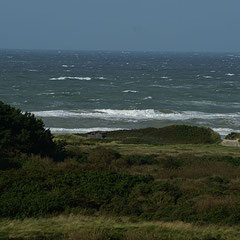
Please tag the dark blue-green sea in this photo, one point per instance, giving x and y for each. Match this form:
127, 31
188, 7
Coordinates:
82, 91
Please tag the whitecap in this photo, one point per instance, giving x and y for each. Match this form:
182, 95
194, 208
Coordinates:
149, 97
225, 131
83, 130
56, 113
71, 78
157, 85
136, 114
48, 93
129, 91
230, 74
207, 76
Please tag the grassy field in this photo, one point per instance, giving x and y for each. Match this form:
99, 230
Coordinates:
110, 228
79, 143
194, 195
197, 169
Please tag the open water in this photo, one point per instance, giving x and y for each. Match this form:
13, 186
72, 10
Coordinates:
82, 91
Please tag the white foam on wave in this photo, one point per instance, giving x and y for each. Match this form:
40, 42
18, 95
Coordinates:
170, 86
56, 113
71, 78
149, 97
225, 131
146, 114
83, 130
230, 74
129, 91
46, 93
208, 77
67, 66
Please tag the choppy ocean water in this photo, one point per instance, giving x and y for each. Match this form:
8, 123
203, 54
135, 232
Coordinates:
80, 91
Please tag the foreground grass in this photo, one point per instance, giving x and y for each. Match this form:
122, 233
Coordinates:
205, 185
79, 143
99, 228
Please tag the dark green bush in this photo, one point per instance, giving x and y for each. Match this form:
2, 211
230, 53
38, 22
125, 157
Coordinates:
233, 136
140, 159
175, 134
170, 162
34, 193
22, 132
218, 179
6, 164
28, 192
184, 159
235, 161
103, 158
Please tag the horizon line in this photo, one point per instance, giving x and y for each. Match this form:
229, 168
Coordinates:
122, 51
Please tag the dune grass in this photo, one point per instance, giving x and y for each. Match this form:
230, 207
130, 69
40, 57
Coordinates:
79, 143
205, 175
100, 228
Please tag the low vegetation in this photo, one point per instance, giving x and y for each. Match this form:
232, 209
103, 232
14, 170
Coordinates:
23, 133
70, 227
233, 136
175, 134
170, 183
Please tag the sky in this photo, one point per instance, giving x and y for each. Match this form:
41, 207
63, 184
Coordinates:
125, 25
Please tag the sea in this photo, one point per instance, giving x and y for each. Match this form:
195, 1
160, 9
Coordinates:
84, 91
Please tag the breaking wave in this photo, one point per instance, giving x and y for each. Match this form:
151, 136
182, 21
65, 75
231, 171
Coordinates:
71, 78
129, 91
147, 114
75, 78
225, 131
83, 130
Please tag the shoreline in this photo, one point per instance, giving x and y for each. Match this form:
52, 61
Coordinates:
223, 132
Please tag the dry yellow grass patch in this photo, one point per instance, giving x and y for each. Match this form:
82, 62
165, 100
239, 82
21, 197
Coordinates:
84, 227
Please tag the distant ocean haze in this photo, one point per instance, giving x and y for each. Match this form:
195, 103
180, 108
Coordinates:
88, 91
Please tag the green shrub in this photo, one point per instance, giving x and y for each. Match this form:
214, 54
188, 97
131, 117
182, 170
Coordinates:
22, 132
25, 192
175, 134
140, 159
103, 158
233, 136
170, 163
234, 161
6, 164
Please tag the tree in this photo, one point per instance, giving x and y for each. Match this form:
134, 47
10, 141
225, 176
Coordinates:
22, 132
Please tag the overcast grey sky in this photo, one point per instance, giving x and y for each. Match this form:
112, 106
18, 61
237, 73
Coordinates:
148, 25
